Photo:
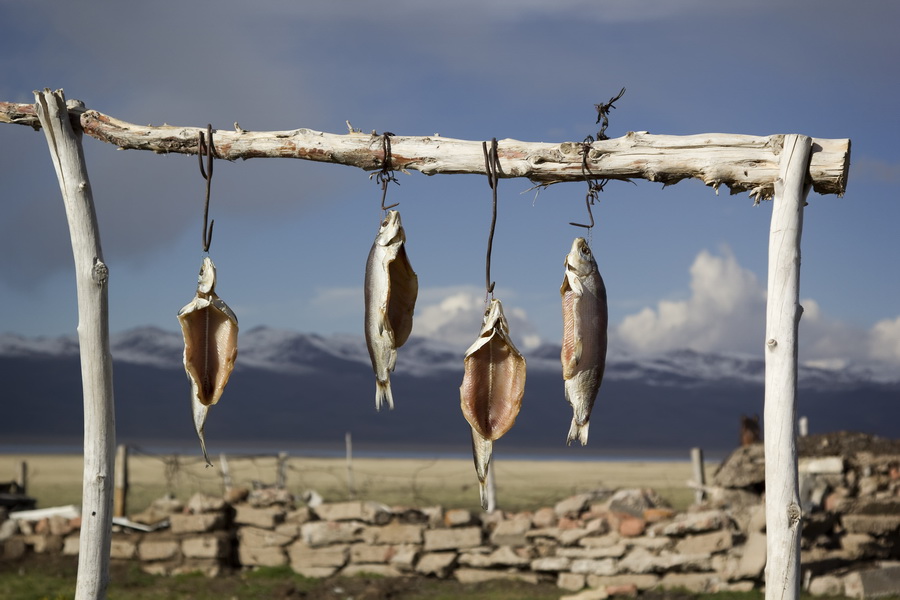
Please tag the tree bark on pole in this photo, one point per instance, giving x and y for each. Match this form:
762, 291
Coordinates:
91, 277
783, 515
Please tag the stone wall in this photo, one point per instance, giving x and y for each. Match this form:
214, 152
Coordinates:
601, 542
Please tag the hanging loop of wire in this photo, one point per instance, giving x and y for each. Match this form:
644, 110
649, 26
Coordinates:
492, 168
386, 175
205, 149
595, 186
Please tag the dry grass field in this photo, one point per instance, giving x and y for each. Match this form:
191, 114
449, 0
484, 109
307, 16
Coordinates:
521, 484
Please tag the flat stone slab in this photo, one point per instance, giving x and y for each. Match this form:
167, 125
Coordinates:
436, 563
452, 539
367, 512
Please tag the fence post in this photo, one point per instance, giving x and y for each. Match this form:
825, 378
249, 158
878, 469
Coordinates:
351, 485
120, 495
22, 477
699, 473
491, 488
226, 474
281, 478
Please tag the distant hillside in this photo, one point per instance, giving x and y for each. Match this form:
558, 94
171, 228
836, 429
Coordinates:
294, 390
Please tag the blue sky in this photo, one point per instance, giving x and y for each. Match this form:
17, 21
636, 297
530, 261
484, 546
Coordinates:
683, 267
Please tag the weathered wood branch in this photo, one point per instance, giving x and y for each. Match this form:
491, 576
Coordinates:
91, 277
743, 163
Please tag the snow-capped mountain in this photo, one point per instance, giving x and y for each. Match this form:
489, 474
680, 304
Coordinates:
294, 388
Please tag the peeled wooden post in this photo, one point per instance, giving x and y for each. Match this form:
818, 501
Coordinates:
782, 318
120, 497
91, 275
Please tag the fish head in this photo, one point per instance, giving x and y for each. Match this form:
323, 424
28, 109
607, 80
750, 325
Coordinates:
494, 319
206, 281
580, 259
391, 230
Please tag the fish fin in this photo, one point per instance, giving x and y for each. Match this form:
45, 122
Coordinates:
578, 432
200, 412
383, 393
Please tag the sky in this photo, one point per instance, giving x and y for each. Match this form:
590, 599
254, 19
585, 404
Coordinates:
684, 267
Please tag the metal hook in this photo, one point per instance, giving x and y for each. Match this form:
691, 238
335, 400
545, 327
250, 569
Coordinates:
206, 149
387, 173
492, 168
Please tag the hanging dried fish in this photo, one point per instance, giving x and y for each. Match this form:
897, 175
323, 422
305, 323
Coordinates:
492, 388
391, 289
585, 320
210, 331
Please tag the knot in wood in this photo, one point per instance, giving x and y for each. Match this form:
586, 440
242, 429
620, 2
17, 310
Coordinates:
771, 343
100, 272
794, 514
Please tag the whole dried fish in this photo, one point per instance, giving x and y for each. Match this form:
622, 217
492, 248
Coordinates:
391, 289
585, 320
210, 332
492, 388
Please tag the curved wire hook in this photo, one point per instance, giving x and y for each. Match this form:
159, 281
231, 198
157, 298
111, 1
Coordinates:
492, 168
594, 186
387, 172
206, 149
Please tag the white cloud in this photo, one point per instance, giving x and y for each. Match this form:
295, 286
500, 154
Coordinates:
454, 314
884, 341
725, 311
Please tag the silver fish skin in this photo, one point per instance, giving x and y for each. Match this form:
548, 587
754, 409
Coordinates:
492, 389
210, 330
585, 322
391, 289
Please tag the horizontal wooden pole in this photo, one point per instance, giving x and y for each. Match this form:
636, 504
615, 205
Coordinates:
743, 163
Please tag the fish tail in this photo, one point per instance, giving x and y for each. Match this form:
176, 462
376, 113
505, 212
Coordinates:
484, 494
383, 394
578, 432
200, 412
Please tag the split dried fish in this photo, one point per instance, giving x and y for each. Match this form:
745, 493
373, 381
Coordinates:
210, 331
492, 388
391, 289
585, 321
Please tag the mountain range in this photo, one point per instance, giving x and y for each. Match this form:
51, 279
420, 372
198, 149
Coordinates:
305, 391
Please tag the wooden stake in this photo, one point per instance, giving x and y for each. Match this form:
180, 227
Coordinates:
120, 498
699, 473
351, 485
491, 489
281, 476
783, 311
22, 477
226, 473
91, 278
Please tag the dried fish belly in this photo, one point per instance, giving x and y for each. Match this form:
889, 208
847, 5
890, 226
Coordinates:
492, 388
391, 288
210, 330
585, 321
